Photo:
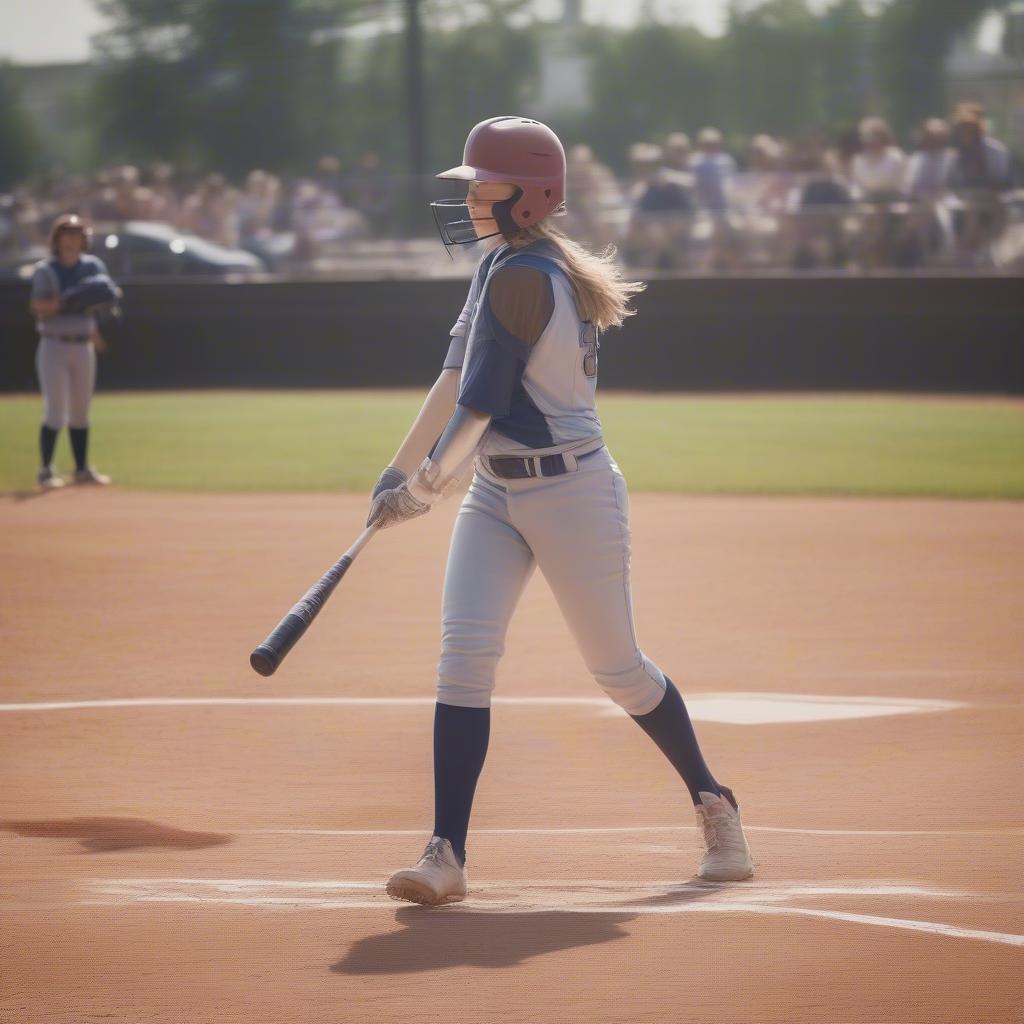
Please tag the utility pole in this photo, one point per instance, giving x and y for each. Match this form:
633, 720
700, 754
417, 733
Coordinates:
415, 103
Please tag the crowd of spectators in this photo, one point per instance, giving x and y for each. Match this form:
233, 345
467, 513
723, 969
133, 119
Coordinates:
285, 222
859, 202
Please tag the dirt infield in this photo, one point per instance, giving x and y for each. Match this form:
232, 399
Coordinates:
181, 840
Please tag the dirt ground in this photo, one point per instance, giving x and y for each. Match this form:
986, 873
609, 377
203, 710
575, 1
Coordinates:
223, 861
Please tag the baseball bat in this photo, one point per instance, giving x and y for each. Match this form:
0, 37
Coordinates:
269, 655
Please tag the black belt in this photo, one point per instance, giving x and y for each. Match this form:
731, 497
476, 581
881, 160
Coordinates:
507, 467
77, 339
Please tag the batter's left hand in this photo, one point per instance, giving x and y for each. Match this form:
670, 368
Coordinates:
395, 506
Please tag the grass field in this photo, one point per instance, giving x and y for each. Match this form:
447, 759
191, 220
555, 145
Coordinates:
339, 440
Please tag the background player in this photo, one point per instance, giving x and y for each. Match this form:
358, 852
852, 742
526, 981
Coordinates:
517, 393
68, 342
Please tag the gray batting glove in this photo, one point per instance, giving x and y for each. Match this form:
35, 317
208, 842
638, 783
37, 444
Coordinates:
395, 506
389, 479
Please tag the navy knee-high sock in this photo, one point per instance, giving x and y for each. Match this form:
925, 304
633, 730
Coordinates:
460, 747
79, 445
47, 443
670, 727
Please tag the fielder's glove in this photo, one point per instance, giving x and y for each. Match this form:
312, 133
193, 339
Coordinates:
94, 294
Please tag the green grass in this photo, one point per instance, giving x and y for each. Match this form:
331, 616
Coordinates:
318, 441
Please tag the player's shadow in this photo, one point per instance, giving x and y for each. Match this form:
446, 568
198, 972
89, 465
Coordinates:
103, 835
432, 940
19, 496
436, 939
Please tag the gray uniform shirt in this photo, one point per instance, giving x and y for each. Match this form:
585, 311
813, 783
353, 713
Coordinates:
51, 280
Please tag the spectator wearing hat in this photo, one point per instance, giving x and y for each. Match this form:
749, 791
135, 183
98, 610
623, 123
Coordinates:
879, 169
596, 199
679, 153
661, 210
982, 171
817, 204
713, 169
982, 162
879, 173
928, 178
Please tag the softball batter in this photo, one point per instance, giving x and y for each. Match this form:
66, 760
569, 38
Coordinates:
66, 356
517, 395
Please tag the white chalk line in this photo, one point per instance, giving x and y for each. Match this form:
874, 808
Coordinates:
581, 897
741, 708
626, 830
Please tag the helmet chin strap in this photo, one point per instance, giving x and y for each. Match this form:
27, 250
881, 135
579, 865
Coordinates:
501, 211
501, 214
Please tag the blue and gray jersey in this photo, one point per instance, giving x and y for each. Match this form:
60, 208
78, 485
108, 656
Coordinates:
51, 280
527, 358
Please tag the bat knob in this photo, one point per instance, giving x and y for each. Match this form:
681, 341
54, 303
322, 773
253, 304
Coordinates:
264, 660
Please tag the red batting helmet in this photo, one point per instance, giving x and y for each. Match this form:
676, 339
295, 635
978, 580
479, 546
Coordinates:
521, 152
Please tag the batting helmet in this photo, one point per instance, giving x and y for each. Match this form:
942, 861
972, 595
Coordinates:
69, 223
521, 152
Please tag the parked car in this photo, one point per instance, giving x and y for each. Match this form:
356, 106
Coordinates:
141, 248
146, 248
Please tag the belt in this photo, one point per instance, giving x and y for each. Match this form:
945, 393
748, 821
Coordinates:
508, 467
78, 339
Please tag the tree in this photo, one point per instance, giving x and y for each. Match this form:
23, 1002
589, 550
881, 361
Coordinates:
19, 145
845, 55
914, 40
649, 81
234, 84
773, 67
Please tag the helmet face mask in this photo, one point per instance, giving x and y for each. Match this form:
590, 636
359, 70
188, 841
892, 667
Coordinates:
457, 226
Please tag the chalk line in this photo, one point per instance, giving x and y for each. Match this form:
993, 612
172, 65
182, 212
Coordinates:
597, 896
625, 830
743, 708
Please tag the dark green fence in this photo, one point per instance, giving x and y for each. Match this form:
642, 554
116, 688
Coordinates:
734, 334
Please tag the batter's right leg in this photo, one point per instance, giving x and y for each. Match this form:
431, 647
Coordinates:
488, 566
54, 384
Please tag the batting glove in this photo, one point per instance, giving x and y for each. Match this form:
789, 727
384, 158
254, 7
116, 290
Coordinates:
395, 506
389, 479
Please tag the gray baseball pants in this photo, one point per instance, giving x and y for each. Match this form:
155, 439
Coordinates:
67, 379
575, 528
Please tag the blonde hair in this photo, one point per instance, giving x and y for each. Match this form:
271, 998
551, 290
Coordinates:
602, 296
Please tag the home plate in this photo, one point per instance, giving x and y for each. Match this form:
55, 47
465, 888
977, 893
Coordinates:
778, 708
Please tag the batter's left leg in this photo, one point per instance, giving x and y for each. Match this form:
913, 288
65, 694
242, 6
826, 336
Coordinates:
578, 528
82, 385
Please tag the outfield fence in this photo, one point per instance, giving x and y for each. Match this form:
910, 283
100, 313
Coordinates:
884, 333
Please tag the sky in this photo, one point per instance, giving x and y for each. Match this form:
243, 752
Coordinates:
58, 31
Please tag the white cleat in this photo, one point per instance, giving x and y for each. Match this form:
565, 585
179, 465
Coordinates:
727, 858
91, 476
48, 479
438, 877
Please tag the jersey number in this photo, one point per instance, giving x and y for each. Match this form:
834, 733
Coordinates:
590, 345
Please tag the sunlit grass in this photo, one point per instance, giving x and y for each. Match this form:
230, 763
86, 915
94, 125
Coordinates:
339, 440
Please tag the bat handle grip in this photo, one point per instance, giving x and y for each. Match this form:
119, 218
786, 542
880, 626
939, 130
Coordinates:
265, 658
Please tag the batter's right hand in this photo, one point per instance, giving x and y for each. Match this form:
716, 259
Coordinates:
395, 506
389, 479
